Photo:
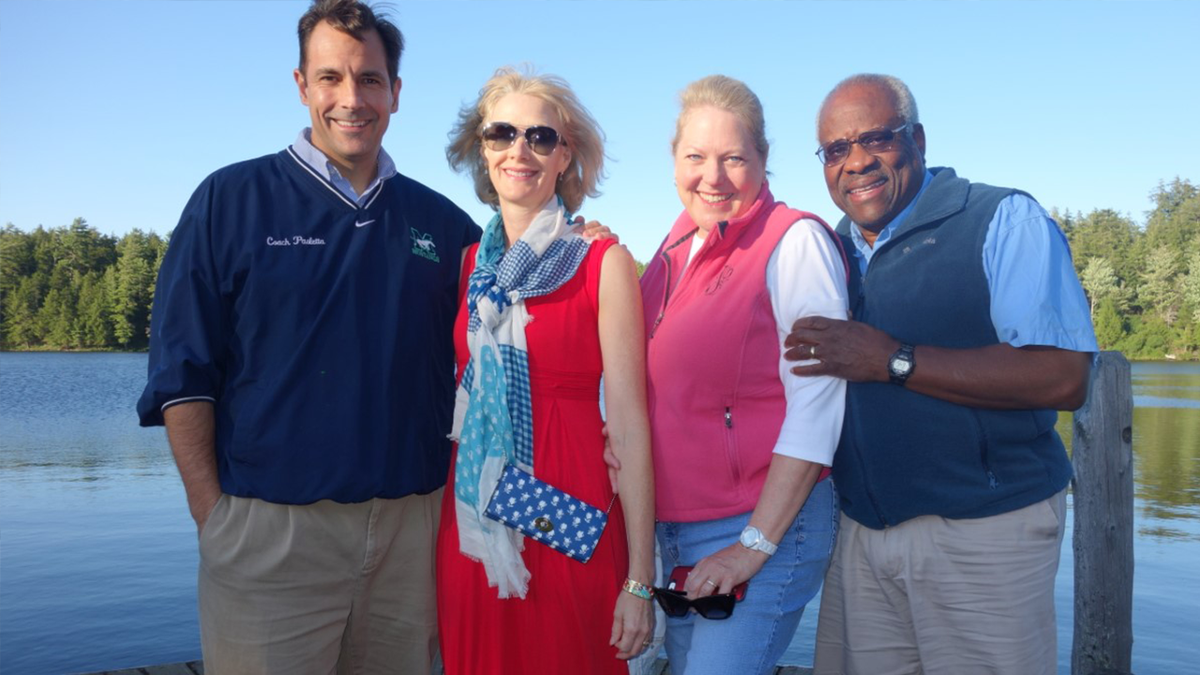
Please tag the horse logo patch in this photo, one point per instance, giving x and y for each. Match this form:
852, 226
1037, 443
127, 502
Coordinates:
423, 246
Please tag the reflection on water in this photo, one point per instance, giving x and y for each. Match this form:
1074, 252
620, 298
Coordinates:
1166, 385
1166, 448
74, 413
99, 555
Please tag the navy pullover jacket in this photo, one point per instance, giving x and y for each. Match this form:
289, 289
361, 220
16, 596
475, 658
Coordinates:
321, 331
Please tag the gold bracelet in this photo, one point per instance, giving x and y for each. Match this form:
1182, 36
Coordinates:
638, 589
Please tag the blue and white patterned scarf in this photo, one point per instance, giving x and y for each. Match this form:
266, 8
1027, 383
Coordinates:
493, 416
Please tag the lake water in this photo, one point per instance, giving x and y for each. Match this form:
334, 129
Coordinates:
98, 554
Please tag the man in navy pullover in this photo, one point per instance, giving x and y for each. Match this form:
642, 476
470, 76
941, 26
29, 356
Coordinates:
970, 330
301, 359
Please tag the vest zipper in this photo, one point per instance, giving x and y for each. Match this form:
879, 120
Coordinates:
667, 285
993, 482
731, 455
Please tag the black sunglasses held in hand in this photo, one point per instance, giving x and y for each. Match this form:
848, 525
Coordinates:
674, 601
499, 136
874, 142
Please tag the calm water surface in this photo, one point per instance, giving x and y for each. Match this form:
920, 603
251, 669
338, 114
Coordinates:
98, 554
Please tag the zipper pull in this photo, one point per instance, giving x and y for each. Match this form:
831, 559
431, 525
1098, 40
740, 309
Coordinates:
728, 418
657, 320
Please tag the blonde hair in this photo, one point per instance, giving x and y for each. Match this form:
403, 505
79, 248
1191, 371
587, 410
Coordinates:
728, 94
580, 132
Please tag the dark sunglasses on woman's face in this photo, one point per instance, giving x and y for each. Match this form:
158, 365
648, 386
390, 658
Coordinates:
874, 142
715, 607
499, 136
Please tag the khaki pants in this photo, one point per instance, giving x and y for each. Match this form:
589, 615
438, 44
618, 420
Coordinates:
936, 596
321, 588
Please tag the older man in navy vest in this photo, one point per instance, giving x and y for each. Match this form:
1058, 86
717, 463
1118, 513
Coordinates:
970, 330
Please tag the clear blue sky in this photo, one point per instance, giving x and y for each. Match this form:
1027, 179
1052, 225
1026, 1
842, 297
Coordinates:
115, 110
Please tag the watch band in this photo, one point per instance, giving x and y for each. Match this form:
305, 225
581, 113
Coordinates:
901, 364
764, 546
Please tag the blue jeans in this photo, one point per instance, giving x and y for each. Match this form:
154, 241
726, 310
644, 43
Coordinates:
752, 640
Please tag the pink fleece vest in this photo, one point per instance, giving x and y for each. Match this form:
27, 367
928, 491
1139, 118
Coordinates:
712, 363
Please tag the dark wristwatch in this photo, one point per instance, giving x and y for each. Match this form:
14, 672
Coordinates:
901, 364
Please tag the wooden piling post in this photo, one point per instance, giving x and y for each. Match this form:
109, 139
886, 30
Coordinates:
1102, 452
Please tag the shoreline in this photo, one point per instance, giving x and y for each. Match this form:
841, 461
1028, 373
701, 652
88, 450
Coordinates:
1166, 358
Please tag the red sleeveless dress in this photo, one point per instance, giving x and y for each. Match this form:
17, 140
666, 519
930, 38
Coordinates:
564, 623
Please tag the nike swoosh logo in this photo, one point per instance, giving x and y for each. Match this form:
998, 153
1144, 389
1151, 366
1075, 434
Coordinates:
363, 224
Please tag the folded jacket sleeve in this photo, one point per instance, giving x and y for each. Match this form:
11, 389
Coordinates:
189, 319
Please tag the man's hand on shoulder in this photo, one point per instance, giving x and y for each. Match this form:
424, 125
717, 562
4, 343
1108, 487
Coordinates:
850, 350
593, 230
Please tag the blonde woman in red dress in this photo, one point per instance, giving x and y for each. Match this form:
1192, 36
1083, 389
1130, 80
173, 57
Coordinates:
545, 314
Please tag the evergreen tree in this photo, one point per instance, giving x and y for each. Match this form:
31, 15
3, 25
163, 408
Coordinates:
1175, 220
57, 318
1104, 233
1155, 338
84, 249
57, 315
1100, 282
1066, 222
158, 247
95, 327
1110, 328
16, 257
21, 325
131, 290
16, 264
1191, 285
1160, 291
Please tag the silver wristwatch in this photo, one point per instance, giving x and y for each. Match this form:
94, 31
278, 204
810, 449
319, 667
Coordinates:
753, 539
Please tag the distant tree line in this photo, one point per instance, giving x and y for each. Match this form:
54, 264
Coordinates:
71, 287
1142, 283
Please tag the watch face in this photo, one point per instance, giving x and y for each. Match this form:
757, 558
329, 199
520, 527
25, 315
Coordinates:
901, 366
749, 537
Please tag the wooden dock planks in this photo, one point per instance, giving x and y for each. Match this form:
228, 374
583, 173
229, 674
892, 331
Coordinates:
197, 668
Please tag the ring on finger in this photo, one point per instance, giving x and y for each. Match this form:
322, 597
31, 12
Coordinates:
710, 583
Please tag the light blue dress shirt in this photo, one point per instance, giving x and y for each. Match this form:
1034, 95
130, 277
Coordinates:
1036, 296
321, 164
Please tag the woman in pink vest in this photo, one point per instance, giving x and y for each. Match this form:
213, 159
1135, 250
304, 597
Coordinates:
740, 445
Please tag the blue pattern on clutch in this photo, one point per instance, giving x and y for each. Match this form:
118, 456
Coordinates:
546, 514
